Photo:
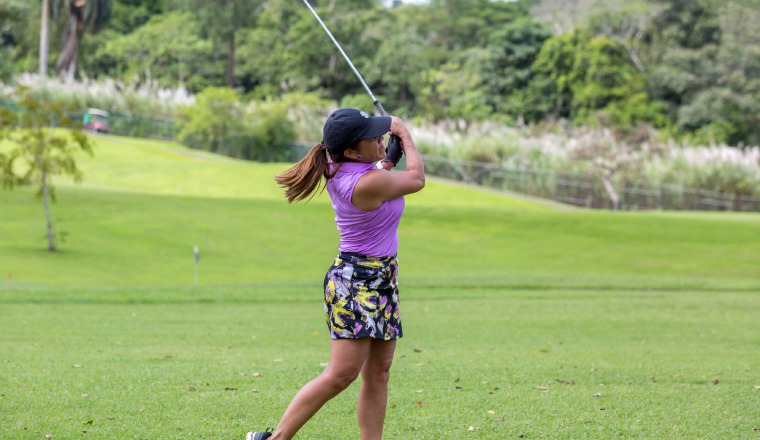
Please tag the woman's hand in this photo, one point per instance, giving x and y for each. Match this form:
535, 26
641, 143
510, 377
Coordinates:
378, 186
399, 129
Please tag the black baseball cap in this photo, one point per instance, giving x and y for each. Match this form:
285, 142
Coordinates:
346, 126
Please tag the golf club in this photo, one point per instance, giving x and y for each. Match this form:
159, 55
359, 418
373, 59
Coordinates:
393, 150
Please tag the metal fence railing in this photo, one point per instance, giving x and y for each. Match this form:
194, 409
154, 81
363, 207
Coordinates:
142, 126
586, 191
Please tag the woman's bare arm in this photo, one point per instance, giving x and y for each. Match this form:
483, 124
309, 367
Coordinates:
377, 186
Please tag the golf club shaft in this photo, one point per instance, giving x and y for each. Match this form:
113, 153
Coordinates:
377, 104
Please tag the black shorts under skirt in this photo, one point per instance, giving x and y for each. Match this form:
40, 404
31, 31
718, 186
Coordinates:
361, 298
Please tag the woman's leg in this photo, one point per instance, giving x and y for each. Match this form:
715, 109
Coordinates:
373, 396
346, 359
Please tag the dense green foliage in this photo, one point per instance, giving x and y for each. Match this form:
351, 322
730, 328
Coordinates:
263, 130
685, 67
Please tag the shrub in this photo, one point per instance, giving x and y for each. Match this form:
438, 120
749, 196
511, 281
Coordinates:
213, 121
272, 133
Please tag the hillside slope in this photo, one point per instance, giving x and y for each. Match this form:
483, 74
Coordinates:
145, 204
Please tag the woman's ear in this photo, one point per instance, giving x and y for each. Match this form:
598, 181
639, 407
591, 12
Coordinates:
349, 153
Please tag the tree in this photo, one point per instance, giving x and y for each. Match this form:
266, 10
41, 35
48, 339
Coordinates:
44, 41
129, 15
401, 62
705, 61
507, 71
627, 26
587, 76
278, 69
461, 24
604, 75
83, 15
455, 90
11, 13
682, 43
564, 16
727, 109
221, 21
553, 78
165, 49
288, 51
38, 150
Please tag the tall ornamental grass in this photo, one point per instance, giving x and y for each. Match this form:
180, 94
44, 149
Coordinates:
589, 151
143, 99
717, 167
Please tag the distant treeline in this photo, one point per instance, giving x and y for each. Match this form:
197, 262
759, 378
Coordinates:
689, 68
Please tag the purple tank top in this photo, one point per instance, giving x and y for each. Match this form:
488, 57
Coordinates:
373, 233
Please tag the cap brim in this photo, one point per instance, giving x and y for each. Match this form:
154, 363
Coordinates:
380, 126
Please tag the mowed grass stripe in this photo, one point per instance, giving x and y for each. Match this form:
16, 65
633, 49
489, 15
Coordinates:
544, 365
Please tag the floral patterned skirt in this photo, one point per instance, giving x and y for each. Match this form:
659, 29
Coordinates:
361, 298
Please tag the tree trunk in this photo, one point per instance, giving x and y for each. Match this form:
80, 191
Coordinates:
46, 205
231, 61
332, 62
44, 48
614, 197
71, 70
74, 35
635, 58
738, 206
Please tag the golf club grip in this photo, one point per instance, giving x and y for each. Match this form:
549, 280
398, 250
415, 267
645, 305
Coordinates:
380, 108
394, 150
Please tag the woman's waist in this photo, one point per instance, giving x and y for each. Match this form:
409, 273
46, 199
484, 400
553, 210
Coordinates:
359, 257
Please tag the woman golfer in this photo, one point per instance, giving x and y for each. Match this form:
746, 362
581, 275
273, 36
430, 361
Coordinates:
361, 297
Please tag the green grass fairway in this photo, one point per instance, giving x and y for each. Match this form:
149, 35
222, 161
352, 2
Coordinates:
522, 319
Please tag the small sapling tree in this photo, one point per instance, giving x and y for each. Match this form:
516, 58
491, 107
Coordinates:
37, 142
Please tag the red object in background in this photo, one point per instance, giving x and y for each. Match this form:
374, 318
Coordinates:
96, 120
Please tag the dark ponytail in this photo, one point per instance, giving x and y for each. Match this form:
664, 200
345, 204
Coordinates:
302, 179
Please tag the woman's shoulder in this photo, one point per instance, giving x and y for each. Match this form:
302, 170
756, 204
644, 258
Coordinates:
347, 175
356, 167
351, 171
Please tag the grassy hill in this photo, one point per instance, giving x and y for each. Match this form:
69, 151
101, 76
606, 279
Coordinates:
145, 204
522, 319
